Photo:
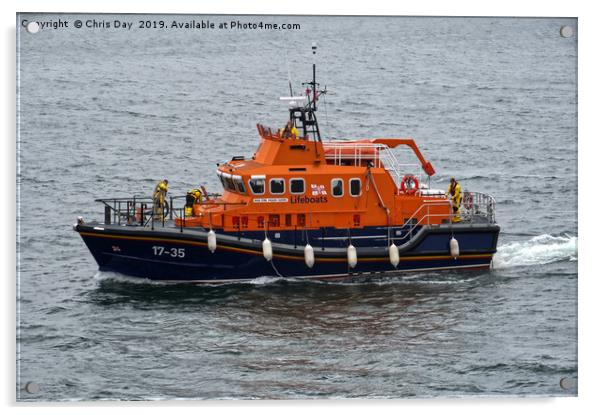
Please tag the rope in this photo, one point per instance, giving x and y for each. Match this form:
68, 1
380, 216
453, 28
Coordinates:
265, 230
274, 266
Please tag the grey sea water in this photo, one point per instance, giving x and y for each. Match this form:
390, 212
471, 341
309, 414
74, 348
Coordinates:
110, 111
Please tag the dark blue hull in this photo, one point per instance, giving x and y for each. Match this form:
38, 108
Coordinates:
166, 254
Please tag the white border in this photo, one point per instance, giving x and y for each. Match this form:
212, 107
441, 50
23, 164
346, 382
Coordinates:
589, 137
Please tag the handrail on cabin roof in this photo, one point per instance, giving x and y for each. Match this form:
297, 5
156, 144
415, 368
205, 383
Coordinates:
390, 143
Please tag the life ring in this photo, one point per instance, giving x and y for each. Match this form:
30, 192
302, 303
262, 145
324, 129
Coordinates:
468, 201
404, 184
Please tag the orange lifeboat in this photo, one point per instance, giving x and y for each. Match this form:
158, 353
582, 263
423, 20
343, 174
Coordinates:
301, 207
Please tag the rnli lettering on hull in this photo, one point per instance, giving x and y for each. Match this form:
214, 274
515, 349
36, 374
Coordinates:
270, 200
295, 200
306, 199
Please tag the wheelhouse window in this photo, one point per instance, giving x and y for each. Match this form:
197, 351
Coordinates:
227, 181
277, 186
257, 185
355, 187
337, 187
240, 186
297, 186
221, 179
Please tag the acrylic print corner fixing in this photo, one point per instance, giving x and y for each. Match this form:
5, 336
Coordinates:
295, 207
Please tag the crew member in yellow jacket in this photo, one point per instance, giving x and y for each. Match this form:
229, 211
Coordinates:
289, 131
455, 193
159, 198
193, 197
295, 132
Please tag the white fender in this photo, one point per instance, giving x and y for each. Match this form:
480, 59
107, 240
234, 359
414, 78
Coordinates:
394, 254
351, 256
267, 249
309, 255
211, 241
454, 248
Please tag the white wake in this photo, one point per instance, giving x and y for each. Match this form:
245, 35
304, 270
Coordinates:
542, 249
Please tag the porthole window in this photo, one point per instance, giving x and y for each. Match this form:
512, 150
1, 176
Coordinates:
337, 187
355, 187
297, 186
277, 186
257, 185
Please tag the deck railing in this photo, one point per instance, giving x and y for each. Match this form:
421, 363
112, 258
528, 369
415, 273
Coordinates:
127, 210
143, 211
379, 155
476, 208
476, 205
140, 211
421, 217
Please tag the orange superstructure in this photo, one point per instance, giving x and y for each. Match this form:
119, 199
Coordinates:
298, 183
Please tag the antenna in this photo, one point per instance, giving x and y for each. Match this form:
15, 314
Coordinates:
314, 48
288, 69
304, 115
